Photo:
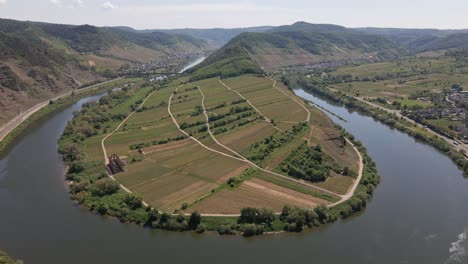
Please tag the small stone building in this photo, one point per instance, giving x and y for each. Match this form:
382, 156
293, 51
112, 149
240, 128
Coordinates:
115, 166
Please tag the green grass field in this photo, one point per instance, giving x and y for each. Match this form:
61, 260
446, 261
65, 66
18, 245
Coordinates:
174, 171
402, 77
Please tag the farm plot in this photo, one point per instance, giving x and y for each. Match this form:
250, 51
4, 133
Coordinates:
171, 170
241, 138
267, 99
182, 170
254, 192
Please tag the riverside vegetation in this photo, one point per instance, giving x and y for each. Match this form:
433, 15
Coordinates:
5, 259
55, 106
388, 119
91, 187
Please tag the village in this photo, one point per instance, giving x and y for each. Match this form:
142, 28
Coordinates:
448, 113
170, 63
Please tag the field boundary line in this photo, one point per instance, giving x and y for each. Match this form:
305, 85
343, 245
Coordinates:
294, 99
188, 135
209, 129
106, 158
238, 93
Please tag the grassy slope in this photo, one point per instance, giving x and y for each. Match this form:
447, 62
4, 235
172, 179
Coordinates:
40, 60
289, 45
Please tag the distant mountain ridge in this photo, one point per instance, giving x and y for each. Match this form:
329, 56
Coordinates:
421, 40
40, 60
215, 36
300, 43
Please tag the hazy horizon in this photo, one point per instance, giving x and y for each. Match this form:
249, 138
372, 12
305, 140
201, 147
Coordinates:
206, 14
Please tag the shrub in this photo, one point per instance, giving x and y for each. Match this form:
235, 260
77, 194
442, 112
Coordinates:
226, 230
194, 220
105, 186
76, 167
252, 230
133, 201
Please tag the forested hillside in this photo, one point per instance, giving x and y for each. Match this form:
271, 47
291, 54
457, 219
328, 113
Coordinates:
301, 43
41, 60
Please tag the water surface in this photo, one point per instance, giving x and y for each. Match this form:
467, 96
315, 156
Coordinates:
418, 214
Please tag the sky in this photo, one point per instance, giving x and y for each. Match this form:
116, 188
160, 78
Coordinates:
157, 14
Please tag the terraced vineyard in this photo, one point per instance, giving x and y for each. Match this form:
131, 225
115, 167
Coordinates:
216, 146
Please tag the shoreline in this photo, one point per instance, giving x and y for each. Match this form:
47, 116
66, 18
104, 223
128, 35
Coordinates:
383, 116
41, 111
355, 200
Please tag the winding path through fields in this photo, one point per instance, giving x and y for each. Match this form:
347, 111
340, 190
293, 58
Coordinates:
236, 155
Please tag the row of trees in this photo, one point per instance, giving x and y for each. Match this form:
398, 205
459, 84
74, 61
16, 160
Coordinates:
306, 163
262, 149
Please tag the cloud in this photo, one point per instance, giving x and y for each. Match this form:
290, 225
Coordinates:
79, 3
57, 3
109, 5
2, 2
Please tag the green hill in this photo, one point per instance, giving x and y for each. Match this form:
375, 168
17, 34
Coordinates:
421, 40
215, 36
300, 43
41, 60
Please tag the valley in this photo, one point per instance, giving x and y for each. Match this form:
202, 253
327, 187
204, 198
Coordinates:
112, 135
214, 147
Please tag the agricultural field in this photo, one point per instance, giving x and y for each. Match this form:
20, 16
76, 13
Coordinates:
217, 146
398, 79
429, 90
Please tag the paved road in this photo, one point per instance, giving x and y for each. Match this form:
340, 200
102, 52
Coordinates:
458, 145
15, 122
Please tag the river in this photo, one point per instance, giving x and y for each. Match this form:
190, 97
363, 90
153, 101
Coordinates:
193, 64
418, 214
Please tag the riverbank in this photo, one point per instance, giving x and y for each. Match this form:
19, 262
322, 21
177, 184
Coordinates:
92, 188
418, 183
40, 112
391, 120
5, 259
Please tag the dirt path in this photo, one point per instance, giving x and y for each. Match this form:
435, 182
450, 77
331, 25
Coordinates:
106, 158
294, 99
343, 198
209, 129
238, 93
18, 120
103, 146
191, 137
242, 158
351, 191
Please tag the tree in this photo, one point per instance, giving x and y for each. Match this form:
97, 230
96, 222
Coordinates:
194, 220
71, 152
105, 186
153, 216
133, 201
248, 215
265, 216
76, 167
201, 228
252, 230
322, 211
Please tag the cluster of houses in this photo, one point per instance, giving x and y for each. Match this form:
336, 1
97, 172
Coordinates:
169, 62
452, 107
342, 62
